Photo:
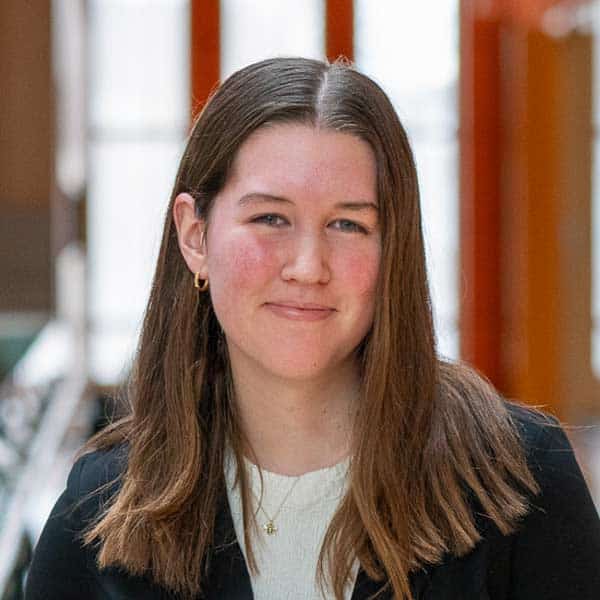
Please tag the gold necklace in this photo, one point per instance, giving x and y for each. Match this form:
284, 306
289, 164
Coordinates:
269, 527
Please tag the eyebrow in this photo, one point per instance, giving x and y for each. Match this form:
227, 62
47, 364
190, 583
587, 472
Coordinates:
257, 197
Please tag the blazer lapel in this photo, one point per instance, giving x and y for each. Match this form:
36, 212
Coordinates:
228, 573
366, 587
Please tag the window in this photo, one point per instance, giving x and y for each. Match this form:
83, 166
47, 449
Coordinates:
138, 107
412, 51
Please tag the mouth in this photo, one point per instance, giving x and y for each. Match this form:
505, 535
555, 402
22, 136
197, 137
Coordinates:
300, 311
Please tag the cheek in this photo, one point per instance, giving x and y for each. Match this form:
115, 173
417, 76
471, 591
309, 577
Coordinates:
360, 271
240, 262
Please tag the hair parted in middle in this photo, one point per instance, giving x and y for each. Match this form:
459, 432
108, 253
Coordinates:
429, 434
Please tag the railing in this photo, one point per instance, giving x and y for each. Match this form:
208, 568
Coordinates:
45, 394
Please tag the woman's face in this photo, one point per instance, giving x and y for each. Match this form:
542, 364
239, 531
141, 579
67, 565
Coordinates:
292, 251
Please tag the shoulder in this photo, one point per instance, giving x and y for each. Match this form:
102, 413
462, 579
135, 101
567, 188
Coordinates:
532, 425
532, 419
544, 440
96, 477
61, 566
550, 456
556, 550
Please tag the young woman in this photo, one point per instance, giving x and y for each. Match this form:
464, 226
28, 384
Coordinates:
292, 432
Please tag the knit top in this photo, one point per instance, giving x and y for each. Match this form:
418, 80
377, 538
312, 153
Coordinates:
287, 557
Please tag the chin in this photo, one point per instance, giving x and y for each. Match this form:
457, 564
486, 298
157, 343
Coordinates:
302, 369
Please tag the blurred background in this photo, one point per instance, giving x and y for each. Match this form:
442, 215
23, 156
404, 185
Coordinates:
501, 100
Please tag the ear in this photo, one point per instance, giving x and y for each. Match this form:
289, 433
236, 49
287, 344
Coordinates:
190, 234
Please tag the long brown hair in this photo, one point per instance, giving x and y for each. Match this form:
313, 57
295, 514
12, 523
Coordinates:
443, 434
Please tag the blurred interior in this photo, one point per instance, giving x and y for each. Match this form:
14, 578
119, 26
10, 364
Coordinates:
501, 100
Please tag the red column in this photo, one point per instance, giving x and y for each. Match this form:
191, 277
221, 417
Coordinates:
480, 182
339, 29
525, 172
205, 51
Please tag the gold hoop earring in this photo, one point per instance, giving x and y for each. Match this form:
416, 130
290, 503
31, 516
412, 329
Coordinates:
202, 287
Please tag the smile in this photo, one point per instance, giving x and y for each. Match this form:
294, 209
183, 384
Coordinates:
300, 312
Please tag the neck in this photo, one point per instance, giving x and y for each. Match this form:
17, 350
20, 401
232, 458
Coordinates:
300, 426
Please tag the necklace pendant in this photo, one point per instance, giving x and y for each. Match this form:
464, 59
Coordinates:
270, 528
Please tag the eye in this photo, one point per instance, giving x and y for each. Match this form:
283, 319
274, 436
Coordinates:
270, 219
348, 226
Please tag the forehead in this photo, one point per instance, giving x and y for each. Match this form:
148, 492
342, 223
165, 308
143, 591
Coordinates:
308, 158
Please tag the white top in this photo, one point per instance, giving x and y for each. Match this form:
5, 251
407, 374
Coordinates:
287, 559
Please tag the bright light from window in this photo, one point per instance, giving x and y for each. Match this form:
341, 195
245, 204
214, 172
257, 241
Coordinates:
252, 31
412, 51
138, 69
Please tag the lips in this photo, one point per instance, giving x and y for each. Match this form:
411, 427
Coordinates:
300, 311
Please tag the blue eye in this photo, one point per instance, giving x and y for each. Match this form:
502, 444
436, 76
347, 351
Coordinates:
270, 219
349, 226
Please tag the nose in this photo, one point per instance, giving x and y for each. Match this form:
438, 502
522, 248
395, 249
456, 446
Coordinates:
307, 261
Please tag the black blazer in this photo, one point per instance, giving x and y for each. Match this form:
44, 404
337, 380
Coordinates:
555, 554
